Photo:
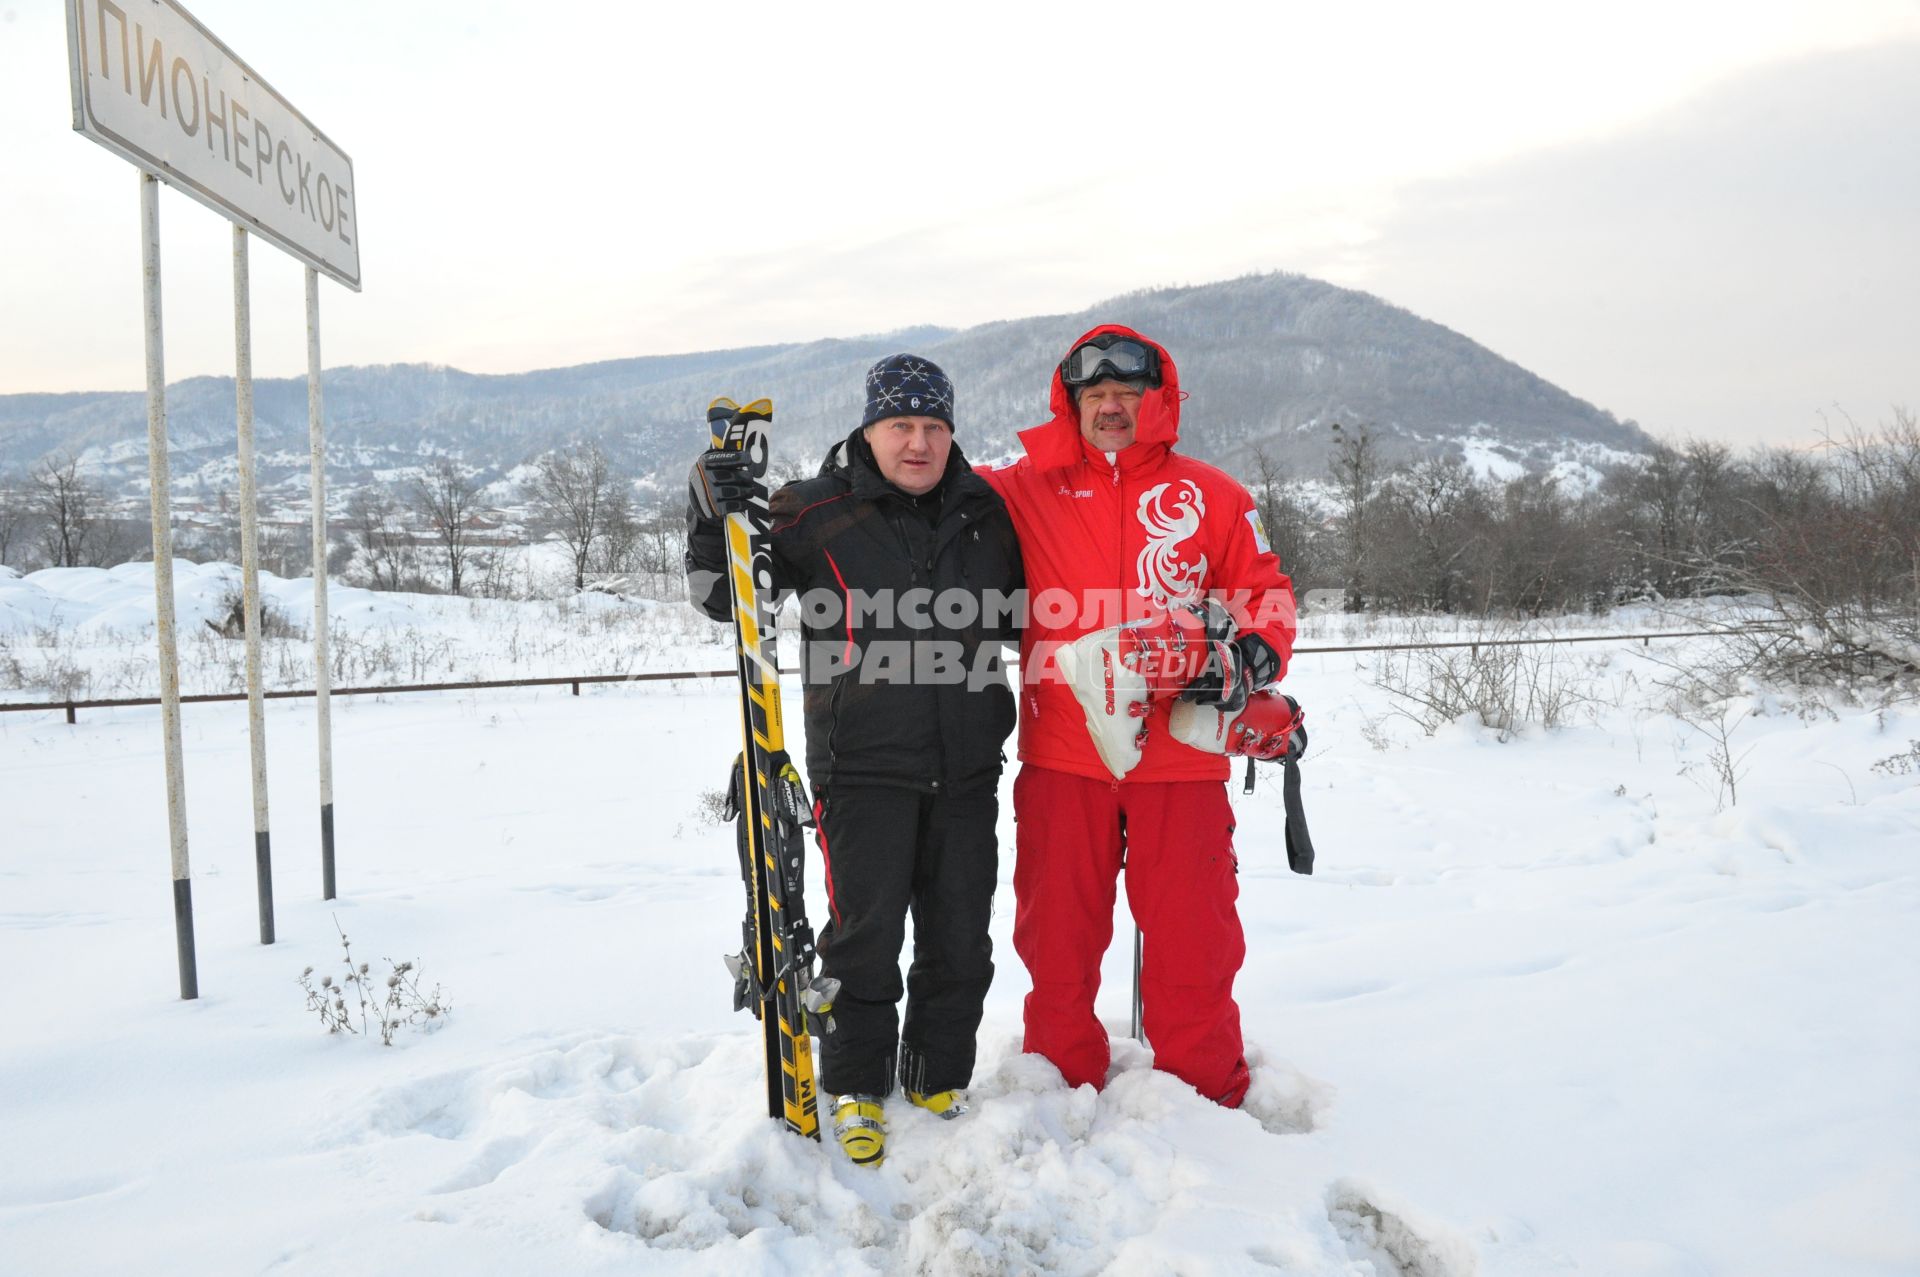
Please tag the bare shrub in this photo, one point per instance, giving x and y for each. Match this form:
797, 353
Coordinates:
45, 670
274, 623
1705, 689
711, 807
1716, 723
1502, 684
384, 1004
500, 576
391, 655
1904, 763
1373, 730
1838, 561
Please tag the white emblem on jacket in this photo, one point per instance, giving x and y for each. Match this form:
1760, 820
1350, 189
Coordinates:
1166, 576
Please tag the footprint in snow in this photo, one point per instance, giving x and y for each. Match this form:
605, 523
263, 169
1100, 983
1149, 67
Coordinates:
1395, 1238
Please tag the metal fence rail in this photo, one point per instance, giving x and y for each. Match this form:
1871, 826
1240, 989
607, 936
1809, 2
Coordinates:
1476, 644
575, 681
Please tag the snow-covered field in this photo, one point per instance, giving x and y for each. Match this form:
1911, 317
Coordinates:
87, 633
1547, 1006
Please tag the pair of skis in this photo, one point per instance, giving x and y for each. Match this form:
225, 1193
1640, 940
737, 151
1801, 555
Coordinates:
773, 972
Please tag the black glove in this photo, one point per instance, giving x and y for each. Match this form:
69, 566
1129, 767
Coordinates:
721, 483
1234, 670
1262, 662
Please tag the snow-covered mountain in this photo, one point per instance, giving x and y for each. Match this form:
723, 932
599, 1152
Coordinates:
1269, 361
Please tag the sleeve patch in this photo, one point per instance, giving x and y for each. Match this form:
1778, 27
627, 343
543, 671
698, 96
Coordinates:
1259, 531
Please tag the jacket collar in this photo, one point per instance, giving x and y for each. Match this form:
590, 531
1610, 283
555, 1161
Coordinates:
852, 460
1139, 457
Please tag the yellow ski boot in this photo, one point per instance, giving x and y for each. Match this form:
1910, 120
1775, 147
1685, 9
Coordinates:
860, 1124
945, 1104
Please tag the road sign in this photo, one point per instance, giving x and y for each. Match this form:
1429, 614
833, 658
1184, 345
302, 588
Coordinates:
157, 88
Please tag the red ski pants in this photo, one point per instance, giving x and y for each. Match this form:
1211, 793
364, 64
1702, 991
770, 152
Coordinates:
1176, 840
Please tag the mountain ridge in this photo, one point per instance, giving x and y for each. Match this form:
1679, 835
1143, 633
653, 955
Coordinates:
1269, 362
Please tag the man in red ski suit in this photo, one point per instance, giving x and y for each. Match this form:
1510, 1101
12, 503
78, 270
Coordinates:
1113, 524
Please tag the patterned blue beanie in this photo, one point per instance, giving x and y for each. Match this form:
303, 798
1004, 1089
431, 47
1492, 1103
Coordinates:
907, 386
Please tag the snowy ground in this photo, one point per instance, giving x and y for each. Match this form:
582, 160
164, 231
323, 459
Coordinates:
87, 633
1543, 1008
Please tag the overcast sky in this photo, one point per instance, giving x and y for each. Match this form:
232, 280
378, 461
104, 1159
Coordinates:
1698, 216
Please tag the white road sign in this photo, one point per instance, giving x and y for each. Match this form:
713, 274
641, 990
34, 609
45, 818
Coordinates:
154, 86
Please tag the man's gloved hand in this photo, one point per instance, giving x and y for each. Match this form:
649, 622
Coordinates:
721, 482
1235, 669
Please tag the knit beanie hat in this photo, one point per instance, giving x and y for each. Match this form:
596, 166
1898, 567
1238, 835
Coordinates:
907, 386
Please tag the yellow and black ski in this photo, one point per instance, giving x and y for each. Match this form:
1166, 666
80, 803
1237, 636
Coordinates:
773, 972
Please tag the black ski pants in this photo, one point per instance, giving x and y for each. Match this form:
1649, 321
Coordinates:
888, 851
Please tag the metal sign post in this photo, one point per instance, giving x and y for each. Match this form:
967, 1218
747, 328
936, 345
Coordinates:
155, 87
159, 476
322, 673
250, 576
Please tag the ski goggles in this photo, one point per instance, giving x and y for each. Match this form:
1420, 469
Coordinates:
1123, 360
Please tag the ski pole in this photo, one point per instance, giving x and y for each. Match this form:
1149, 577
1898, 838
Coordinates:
1139, 1029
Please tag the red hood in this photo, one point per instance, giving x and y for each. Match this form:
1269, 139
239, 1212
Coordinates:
1057, 443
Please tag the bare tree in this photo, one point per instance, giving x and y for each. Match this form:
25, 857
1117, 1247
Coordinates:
655, 544
1841, 562
446, 499
1288, 522
619, 546
578, 496
1535, 549
373, 520
15, 512
285, 552
75, 529
645, 543
1425, 531
1356, 467
784, 470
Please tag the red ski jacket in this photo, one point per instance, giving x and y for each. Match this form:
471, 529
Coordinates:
1108, 537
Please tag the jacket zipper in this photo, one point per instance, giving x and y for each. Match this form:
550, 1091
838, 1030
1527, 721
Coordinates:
833, 720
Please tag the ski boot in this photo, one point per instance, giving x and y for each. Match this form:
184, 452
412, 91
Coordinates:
860, 1124
942, 1104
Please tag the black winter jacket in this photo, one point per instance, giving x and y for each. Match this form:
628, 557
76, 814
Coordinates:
898, 690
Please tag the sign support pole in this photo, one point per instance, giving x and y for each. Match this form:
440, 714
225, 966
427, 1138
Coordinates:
322, 674
160, 481
250, 576
310, 212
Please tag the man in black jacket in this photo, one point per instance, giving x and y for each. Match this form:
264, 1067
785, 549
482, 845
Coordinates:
907, 570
